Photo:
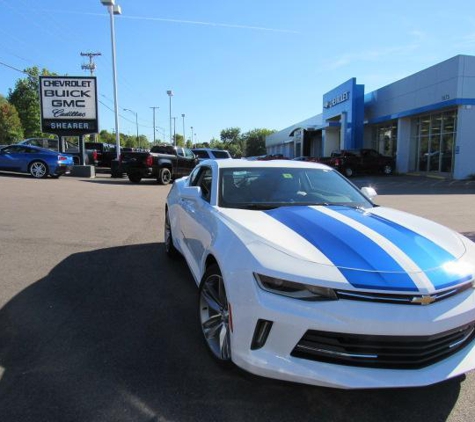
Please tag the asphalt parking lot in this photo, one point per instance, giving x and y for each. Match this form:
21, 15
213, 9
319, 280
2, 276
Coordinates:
96, 324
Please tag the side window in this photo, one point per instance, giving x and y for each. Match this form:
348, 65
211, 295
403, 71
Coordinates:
189, 153
36, 143
205, 179
202, 177
194, 177
52, 144
179, 152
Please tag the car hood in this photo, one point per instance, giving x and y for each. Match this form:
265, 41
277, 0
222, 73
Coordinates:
377, 248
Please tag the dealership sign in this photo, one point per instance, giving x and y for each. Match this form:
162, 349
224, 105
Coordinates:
345, 96
68, 104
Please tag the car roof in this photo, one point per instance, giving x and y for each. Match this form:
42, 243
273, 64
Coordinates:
209, 149
260, 164
39, 149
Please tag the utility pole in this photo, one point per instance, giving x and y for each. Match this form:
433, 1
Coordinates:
91, 66
174, 131
153, 108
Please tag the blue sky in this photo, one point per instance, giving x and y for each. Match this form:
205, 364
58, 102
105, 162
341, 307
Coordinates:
230, 63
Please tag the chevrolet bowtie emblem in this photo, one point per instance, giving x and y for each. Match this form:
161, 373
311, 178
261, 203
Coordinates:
423, 300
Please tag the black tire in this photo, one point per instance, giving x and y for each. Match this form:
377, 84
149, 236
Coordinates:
388, 169
170, 249
164, 176
213, 312
348, 172
135, 177
116, 174
38, 169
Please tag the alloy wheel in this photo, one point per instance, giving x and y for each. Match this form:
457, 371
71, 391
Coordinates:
38, 169
214, 315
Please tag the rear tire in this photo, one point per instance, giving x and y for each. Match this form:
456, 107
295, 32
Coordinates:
135, 177
164, 176
38, 169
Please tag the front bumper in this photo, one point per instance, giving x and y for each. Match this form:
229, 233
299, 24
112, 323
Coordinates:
292, 319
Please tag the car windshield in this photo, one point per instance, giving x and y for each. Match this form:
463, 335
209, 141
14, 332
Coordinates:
220, 154
271, 187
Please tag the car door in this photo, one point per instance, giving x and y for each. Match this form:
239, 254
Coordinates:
196, 220
371, 160
180, 162
11, 157
190, 162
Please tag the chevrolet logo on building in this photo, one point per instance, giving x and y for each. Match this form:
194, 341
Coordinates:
423, 300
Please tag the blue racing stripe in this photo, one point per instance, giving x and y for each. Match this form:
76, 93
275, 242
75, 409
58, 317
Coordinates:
362, 261
426, 254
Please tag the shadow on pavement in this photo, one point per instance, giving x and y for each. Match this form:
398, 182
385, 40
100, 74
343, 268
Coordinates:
113, 335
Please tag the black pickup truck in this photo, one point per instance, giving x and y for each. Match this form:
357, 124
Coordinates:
105, 152
163, 162
365, 160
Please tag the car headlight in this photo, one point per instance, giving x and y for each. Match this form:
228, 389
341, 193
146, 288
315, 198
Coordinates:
293, 289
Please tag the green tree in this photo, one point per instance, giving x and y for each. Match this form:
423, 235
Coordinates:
26, 99
233, 141
230, 135
106, 137
179, 140
11, 130
255, 141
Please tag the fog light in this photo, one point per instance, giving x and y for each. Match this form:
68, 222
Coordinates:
261, 333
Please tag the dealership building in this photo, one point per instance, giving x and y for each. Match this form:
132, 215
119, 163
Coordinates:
426, 121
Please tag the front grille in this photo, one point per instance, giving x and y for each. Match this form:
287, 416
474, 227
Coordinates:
401, 299
392, 352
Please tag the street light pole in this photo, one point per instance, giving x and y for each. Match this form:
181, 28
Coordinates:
174, 131
153, 108
170, 95
192, 143
184, 137
136, 124
114, 9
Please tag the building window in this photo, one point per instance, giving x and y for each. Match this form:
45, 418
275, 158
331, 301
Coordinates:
385, 139
435, 139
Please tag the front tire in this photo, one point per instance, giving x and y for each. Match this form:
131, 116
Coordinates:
348, 172
387, 170
164, 176
38, 169
215, 315
170, 249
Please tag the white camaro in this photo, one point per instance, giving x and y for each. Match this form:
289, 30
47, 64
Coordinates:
302, 278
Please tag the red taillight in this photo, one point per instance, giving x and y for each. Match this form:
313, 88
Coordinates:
337, 162
94, 155
62, 158
149, 161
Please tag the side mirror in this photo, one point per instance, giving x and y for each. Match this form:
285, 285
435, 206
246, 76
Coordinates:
369, 192
192, 192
